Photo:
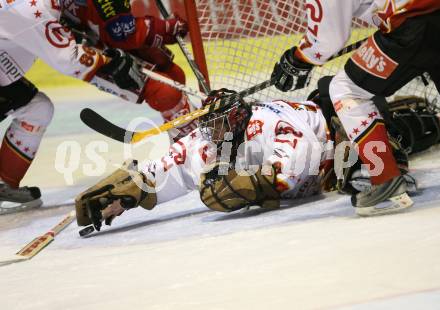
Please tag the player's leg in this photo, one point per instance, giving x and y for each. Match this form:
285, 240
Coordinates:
31, 112
380, 67
170, 102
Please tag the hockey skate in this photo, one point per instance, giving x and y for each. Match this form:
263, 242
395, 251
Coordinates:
18, 199
360, 181
381, 199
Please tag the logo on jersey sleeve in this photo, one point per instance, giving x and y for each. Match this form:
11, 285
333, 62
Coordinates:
122, 27
58, 35
372, 59
254, 128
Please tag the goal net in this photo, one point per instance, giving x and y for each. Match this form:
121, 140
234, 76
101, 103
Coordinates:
243, 39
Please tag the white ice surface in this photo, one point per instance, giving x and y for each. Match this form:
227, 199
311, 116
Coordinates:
311, 254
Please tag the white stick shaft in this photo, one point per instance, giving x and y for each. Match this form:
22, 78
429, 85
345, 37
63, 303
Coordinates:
186, 89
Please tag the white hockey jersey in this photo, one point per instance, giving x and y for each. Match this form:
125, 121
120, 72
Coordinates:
31, 29
329, 22
292, 137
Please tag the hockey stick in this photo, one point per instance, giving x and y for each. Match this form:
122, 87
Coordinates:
151, 74
188, 90
105, 127
186, 53
108, 129
35, 246
184, 88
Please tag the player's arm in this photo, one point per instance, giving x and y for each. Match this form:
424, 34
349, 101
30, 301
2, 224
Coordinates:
130, 186
147, 31
328, 29
55, 45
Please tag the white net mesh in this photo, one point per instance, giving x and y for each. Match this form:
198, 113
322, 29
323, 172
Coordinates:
243, 39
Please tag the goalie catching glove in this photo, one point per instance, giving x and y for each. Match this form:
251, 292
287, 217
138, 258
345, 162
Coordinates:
124, 189
231, 191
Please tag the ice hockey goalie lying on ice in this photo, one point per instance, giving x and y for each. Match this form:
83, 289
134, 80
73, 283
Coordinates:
241, 156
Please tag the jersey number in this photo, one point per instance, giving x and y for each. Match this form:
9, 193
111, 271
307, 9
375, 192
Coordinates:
315, 14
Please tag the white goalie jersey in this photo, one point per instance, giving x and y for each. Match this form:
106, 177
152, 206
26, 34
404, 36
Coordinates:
292, 137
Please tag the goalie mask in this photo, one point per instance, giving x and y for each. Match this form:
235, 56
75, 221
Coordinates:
228, 123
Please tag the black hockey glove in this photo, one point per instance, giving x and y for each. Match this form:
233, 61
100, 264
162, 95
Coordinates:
290, 72
123, 69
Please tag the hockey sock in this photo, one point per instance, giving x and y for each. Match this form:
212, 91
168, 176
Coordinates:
364, 125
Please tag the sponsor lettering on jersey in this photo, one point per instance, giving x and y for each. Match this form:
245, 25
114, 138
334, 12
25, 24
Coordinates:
9, 67
121, 27
373, 60
270, 107
109, 8
254, 128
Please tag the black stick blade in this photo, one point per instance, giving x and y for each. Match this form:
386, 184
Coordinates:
104, 127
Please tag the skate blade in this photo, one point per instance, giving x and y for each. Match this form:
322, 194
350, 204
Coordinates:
86, 231
392, 205
7, 207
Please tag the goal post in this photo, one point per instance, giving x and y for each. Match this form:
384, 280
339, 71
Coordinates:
196, 38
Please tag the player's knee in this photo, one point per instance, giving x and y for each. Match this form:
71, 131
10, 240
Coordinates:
176, 73
39, 112
161, 97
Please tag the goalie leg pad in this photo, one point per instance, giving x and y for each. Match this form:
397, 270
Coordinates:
231, 192
125, 186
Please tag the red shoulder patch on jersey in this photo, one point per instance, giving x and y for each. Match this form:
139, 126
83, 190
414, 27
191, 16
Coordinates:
254, 128
373, 60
